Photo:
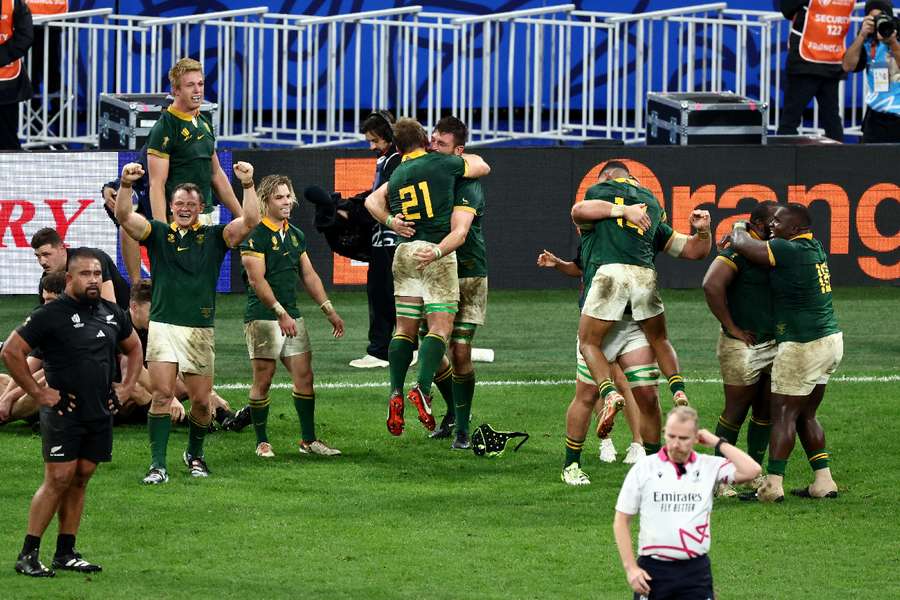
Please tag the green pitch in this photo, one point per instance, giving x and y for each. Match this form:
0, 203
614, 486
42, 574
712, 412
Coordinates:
407, 518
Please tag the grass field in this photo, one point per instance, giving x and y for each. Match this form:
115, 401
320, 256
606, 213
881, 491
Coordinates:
407, 518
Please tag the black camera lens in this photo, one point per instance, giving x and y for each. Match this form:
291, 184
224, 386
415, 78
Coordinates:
885, 26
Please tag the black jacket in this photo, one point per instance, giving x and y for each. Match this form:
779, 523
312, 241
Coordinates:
16, 47
795, 11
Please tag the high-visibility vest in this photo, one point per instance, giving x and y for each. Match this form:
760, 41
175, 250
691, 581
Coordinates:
48, 7
825, 31
13, 69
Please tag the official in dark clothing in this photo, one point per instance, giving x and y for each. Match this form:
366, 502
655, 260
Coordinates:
78, 334
16, 37
813, 69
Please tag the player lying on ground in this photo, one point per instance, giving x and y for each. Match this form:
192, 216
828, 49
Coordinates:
273, 258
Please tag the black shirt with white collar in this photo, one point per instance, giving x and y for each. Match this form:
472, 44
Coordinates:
79, 342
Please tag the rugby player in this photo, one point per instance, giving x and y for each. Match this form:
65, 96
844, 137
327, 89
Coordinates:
15, 403
449, 137
673, 492
810, 345
419, 203
52, 254
618, 257
181, 148
185, 259
78, 334
737, 292
273, 257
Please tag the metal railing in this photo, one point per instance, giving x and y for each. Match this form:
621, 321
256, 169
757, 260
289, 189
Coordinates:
300, 80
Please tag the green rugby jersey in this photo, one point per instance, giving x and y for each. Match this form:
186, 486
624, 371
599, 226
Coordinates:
188, 143
616, 241
801, 289
664, 233
423, 189
749, 296
185, 269
281, 249
471, 257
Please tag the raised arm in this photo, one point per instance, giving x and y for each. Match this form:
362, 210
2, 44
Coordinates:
851, 60
756, 251
159, 174
696, 246
222, 188
589, 211
131, 222
239, 228
475, 166
313, 284
745, 468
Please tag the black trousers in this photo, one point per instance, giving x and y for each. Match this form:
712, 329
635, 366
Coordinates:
9, 124
880, 128
800, 90
380, 290
678, 579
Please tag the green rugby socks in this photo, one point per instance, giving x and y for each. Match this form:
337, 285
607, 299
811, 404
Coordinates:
158, 428
728, 431
259, 414
305, 404
606, 387
196, 435
676, 383
431, 352
758, 438
400, 354
573, 451
651, 448
463, 392
819, 459
445, 383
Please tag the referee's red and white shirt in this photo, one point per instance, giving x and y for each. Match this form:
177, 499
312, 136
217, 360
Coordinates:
674, 506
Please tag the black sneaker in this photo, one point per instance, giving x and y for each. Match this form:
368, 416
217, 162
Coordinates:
196, 465
461, 442
238, 421
444, 430
74, 562
28, 564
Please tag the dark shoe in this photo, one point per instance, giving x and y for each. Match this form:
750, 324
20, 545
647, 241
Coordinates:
74, 562
804, 493
461, 442
28, 564
444, 430
238, 421
196, 465
752, 496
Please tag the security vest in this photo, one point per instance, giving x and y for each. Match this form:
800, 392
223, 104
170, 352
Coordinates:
825, 30
48, 7
13, 69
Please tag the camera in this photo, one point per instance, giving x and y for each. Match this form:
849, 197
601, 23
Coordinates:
886, 25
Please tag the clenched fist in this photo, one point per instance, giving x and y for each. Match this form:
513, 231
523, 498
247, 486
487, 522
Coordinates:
132, 172
700, 220
244, 171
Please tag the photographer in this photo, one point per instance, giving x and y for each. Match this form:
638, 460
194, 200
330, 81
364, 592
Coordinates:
877, 50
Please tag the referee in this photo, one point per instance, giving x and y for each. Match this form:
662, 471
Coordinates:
78, 334
673, 492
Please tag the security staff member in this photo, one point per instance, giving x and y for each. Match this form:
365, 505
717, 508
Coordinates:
673, 492
78, 334
815, 49
16, 37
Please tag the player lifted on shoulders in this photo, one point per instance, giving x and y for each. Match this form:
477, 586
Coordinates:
420, 204
810, 345
185, 258
273, 257
618, 255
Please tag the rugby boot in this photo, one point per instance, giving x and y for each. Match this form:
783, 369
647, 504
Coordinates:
74, 562
395, 414
29, 564
422, 402
612, 404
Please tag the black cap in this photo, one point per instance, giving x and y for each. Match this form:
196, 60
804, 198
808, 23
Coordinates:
886, 7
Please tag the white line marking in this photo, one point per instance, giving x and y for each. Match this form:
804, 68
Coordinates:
334, 385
